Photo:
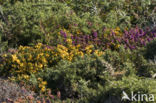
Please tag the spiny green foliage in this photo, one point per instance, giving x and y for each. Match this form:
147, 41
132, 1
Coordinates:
131, 62
90, 80
23, 22
80, 78
117, 12
113, 90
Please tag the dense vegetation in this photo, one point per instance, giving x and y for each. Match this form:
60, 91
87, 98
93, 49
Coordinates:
83, 51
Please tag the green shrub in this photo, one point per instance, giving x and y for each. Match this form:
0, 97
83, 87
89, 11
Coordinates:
27, 23
112, 93
117, 58
123, 13
80, 78
122, 60
74, 24
131, 62
23, 22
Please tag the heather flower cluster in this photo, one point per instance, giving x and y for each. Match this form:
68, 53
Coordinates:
113, 38
136, 37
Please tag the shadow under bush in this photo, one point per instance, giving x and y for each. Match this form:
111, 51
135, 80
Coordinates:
150, 51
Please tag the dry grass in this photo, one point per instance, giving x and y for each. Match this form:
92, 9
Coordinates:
10, 91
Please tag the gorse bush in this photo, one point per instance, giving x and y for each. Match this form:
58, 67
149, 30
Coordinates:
127, 62
122, 12
27, 61
23, 22
91, 79
128, 84
79, 78
24, 61
118, 59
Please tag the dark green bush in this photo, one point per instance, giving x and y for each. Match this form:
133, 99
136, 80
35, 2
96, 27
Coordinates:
148, 69
150, 51
80, 78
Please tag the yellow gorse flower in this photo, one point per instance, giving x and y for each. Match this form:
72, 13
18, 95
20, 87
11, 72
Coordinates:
88, 49
43, 89
117, 46
14, 57
69, 41
4, 55
44, 83
38, 45
99, 53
